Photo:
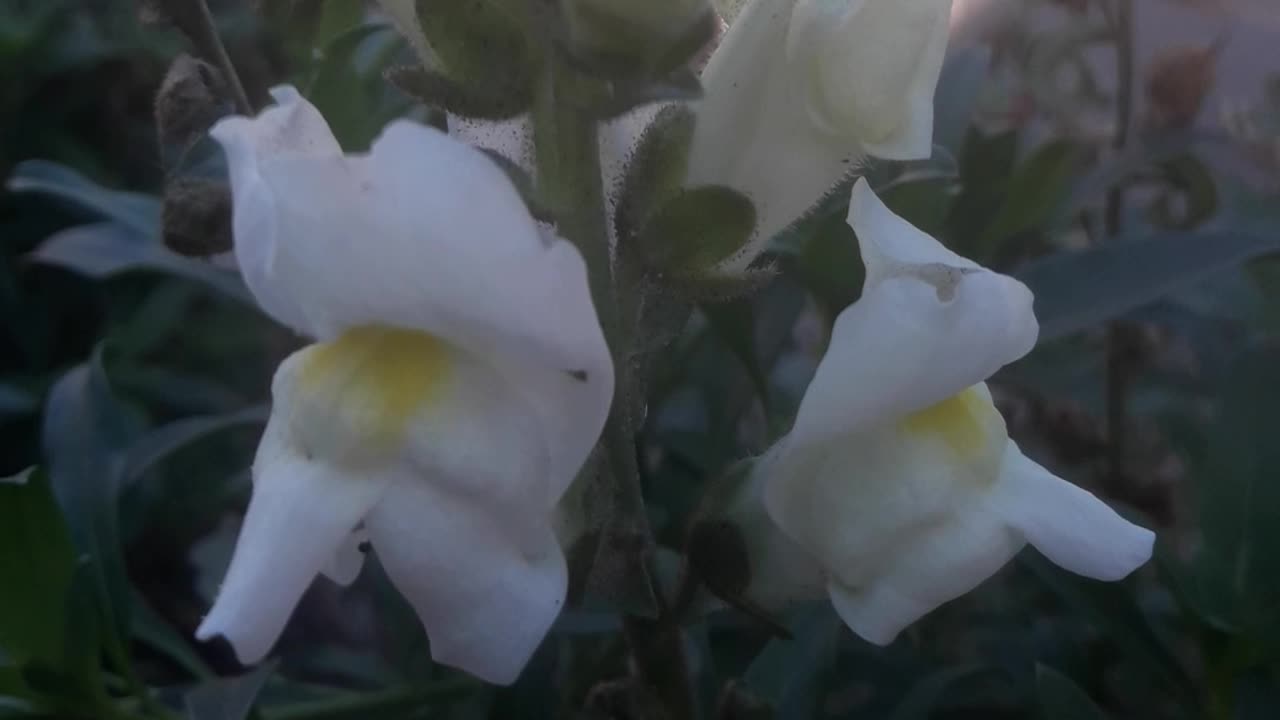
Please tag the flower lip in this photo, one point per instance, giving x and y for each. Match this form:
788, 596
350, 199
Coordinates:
929, 324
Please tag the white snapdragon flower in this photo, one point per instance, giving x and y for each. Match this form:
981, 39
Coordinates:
459, 381
800, 90
898, 488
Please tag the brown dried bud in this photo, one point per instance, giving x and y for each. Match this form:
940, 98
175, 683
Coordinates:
191, 98
718, 555
1177, 83
197, 217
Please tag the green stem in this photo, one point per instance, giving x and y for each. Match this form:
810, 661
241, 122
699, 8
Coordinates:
193, 19
566, 145
386, 703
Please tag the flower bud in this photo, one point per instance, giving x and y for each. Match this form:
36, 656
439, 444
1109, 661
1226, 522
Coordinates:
597, 21
197, 217
798, 92
1177, 83
191, 98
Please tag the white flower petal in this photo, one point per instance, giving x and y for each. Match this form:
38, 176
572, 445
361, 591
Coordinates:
890, 244
1074, 529
291, 128
859, 500
888, 72
940, 565
300, 514
752, 131
485, 598
428, 233
902, 348
782, 571
928, 325
345, 565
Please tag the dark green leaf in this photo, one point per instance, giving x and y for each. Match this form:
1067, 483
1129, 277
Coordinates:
787, 672
16, 401
734, 324
1078, 290
1239, 490
161, 442
1062, 699
103, 250
227, 698
86, 428
37, 561
151, 630
1033, 194
1111, 608
656, 171
140, 213
439, 91
482, 44
929, 691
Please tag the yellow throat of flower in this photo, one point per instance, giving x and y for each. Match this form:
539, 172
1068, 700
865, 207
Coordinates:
354, 396
964, 422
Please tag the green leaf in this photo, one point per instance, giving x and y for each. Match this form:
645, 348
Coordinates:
161, 442
1194, 184
786, 674
86, 428
928, 692
734, 323
1062, 699
227, 698
439, 91
37, 561
657, 170
16, 401
349, 94
1239, 564
138, 212
483, 45
1082, 289
697, 230
337, 17
151, 630
1113, 611
1150, 152
1034, 191
104, 250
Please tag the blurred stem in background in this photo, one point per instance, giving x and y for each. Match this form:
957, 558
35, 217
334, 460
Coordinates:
1119, 338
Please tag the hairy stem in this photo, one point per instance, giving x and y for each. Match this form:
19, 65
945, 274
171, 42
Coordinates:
566, 146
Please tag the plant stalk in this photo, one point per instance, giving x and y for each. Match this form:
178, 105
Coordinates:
1119, 356
566, 145
196, 22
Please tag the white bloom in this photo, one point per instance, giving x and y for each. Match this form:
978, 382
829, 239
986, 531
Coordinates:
899, 478
799, 90
459, 382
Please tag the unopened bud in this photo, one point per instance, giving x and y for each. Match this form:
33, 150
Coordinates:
1177, 83
626, 28
197, 217
192, 97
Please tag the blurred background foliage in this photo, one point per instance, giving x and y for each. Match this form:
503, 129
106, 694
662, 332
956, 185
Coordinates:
1144, 215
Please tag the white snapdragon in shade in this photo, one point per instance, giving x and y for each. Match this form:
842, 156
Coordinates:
899, 477
800, 90
459, 381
